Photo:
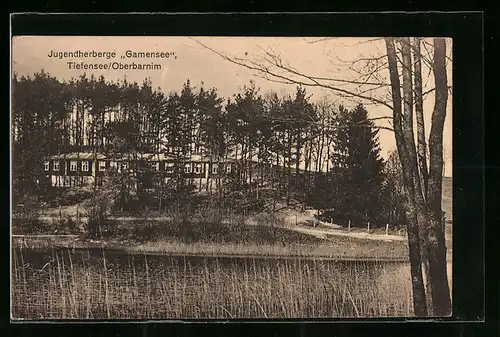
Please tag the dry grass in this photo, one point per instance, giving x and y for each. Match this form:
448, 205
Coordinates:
73, 285
215, 231
335, 248
263, 235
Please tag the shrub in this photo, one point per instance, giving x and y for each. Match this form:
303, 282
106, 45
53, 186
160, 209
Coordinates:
31, 226
65, 225
96, 223
73, 196
27, 214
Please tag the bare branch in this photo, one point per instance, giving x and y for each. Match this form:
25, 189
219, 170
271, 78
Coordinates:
313, 82
278, 62
424, 42
290, 122
432, 90
320, 40
403, 41
365, 41
370, 59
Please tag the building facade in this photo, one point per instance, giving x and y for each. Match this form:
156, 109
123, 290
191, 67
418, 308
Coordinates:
81, 169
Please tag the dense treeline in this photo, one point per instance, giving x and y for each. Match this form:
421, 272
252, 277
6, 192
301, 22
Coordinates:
288, 148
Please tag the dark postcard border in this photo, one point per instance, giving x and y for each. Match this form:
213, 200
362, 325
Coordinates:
466, 31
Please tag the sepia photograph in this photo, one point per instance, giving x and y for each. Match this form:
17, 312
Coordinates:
217, 177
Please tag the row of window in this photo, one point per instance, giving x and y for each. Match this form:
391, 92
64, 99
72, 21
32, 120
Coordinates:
198, 168
169, 167
73, 166
189, 168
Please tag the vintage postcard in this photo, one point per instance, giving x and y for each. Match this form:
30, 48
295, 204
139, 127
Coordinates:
230, 177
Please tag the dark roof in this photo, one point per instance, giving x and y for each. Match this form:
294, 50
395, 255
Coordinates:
128, 156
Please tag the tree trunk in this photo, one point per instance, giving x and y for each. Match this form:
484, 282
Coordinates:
275, 176
288, 171
298, 147
319, 167
437, 246
419, 110
328, 148
419, 301
421, 156
249, 164
423, 218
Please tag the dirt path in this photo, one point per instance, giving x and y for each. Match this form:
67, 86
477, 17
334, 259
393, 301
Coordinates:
297, 221
325, 233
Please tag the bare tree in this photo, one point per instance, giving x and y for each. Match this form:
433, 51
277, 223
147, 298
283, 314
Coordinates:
376, 80
403, 129
436, 240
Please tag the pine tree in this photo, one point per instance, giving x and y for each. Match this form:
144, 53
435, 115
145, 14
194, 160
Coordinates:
211, 129
364, 167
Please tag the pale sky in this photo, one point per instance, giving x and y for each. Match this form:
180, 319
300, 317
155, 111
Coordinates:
312, 56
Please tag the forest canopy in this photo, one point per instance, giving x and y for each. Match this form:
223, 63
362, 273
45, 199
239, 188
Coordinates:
289, 147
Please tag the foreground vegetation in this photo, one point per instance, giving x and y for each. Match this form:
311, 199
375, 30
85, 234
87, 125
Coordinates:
72, 285
206, 266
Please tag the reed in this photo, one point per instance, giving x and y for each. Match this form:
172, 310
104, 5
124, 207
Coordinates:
73, 287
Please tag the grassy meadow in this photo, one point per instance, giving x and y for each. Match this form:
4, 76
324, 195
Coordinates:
212, 233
